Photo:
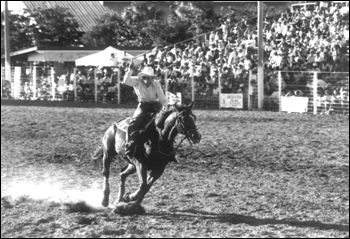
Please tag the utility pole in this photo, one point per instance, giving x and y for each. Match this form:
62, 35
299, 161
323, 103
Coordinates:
7, 47
260, 75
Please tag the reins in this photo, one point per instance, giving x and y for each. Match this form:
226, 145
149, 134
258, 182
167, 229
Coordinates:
186, 136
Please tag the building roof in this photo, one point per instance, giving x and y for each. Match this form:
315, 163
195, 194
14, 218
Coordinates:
85, 12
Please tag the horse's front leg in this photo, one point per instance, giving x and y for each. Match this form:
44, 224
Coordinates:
153, 176
142, 174
128, 171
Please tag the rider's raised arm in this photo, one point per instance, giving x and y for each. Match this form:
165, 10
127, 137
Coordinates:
160, 94
130, 80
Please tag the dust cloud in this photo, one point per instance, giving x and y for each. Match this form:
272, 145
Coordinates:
48, 192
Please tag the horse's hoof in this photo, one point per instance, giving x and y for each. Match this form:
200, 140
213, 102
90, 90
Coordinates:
126, 197
129, 209
105, 203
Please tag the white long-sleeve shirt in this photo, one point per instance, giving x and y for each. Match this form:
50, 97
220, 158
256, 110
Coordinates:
146, 94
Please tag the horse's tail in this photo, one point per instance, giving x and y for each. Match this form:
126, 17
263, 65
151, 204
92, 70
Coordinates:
98, 156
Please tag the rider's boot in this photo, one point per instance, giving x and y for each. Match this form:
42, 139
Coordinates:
130, 143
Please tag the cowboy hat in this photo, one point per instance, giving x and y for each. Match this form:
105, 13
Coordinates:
146, 71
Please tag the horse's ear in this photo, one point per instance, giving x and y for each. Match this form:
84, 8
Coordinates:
171, 105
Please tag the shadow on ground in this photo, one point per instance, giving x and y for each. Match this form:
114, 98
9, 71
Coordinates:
234, 218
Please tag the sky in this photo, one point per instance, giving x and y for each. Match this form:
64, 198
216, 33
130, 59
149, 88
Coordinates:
16, 5
12, 5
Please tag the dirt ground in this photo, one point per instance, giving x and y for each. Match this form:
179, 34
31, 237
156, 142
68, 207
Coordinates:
255, 174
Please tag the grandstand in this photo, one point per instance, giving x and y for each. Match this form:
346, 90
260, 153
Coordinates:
306, 54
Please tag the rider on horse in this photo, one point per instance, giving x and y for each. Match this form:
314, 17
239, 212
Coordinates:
150, 97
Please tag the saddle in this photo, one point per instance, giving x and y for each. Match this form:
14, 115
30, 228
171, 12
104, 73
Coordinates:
124, 124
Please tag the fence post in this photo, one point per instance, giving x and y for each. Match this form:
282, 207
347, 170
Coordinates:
220, 69
219, 85
2, 78
34, 83
249, 90
75, 84
279, 91
315, 92
17, 83
192, 77
53, 83
118, 83
166, 83
95, 83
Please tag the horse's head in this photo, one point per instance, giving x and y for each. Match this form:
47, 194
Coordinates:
186, 123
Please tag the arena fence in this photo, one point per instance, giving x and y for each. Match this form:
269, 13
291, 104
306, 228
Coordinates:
311, 92
284, 91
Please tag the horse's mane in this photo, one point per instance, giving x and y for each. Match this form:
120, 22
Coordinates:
166, 114
161, 116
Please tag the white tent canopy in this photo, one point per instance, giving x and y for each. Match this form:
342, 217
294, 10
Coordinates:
103, 58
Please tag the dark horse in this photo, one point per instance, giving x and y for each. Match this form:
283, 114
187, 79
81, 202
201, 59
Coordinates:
152, 154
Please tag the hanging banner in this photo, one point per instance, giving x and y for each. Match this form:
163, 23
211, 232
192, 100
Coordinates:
174, 99
231, 101
294, 104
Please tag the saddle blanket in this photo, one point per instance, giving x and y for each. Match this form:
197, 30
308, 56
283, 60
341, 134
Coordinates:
124, 124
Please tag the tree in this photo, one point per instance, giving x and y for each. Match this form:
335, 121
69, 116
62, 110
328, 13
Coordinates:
183, 21
146, 22
19, 35
159, 32
143, 24
192, 18
41, 27
250, 12
111, 30
54, 27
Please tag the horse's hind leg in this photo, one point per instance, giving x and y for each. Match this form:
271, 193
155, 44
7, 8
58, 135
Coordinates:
108, 154
107, 160
128, 171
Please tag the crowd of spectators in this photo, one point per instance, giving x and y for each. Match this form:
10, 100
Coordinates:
311, 38
314, 39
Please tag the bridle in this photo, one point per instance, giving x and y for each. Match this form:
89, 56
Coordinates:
180, 125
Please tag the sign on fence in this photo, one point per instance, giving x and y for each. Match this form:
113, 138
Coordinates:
172, 99
294, 104
231, 101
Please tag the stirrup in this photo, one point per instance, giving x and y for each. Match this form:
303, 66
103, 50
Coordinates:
129, 149
129, 153
159, 130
